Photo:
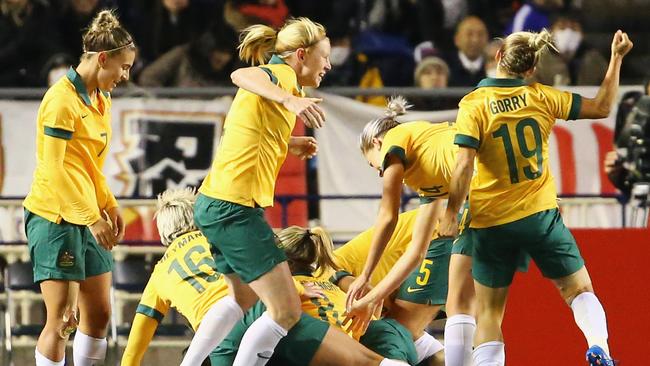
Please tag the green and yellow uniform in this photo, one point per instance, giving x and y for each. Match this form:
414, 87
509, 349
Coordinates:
241, 182
428, 153
185, 278
386, 336
427, 284
513, 196
69, 190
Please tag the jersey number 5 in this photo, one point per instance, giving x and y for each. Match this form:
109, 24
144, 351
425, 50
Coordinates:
527, 152
195, 271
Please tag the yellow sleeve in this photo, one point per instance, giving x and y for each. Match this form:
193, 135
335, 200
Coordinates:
151, 304
562, 104
106, 197
395, 143
468, 126
54, 146
58, 116
141, 334
284, 77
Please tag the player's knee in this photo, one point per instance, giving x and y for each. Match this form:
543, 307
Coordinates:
286, 317
99, 318
571, 293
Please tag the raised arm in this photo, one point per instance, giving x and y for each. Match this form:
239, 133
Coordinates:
258, 81
600, 106
384, 226
458, 189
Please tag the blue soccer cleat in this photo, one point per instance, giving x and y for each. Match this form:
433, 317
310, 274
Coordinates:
597, 356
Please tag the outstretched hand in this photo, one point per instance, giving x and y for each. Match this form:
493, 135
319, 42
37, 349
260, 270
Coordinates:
307, 109
305, 147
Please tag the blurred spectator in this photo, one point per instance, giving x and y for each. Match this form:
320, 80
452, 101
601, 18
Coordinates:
207, 61
490, 57
533, 16
165, 24
467, 62
57, 66
496, 14
28, 37
240, 14
345, 66
432, 73
416, 20
73, 17
577, 63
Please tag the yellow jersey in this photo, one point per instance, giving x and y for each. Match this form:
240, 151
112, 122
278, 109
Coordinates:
184, 278
254, 143
330, 308
67, 112
509, 124
428, 153
351, 257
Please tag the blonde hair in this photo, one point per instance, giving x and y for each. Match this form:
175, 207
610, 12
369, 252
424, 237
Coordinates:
175, 214
106, 34
397, 106
259, 41
308, 249
521, 51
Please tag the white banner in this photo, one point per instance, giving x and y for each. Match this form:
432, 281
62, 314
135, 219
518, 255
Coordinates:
576, 152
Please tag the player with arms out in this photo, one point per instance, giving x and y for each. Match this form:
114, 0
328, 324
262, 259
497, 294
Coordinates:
229, 210
506, 125
72, 219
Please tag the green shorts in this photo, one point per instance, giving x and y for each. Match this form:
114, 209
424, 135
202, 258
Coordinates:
428, 283
390, 339
306, 336
499, 249
64, 251
241, 240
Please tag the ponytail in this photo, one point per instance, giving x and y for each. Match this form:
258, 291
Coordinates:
308, 249
396, 107
521, 51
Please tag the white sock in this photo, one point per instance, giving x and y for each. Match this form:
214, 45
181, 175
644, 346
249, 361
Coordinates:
389, 362
490, 354
590, 317
427, 346
214, 327
459, 335
44, 361
87, 350
259, 341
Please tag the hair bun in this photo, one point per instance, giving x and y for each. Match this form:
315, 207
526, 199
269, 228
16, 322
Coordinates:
541, 40
397, 106
104, 21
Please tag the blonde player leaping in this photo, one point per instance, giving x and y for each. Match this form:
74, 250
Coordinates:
230, 208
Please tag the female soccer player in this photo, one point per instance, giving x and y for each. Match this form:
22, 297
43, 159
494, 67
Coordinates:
506, 125
230, 208
318, 336
72, 219
421, 155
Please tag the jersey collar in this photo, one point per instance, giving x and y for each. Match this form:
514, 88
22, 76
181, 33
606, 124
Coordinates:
277, 60
501, 82
79, 85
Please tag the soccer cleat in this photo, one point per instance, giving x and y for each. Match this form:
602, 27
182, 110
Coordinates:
597, 356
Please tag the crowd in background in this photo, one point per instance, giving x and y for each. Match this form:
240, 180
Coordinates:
192, 43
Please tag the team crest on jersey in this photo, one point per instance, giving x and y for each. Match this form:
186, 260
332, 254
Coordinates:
66, 259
